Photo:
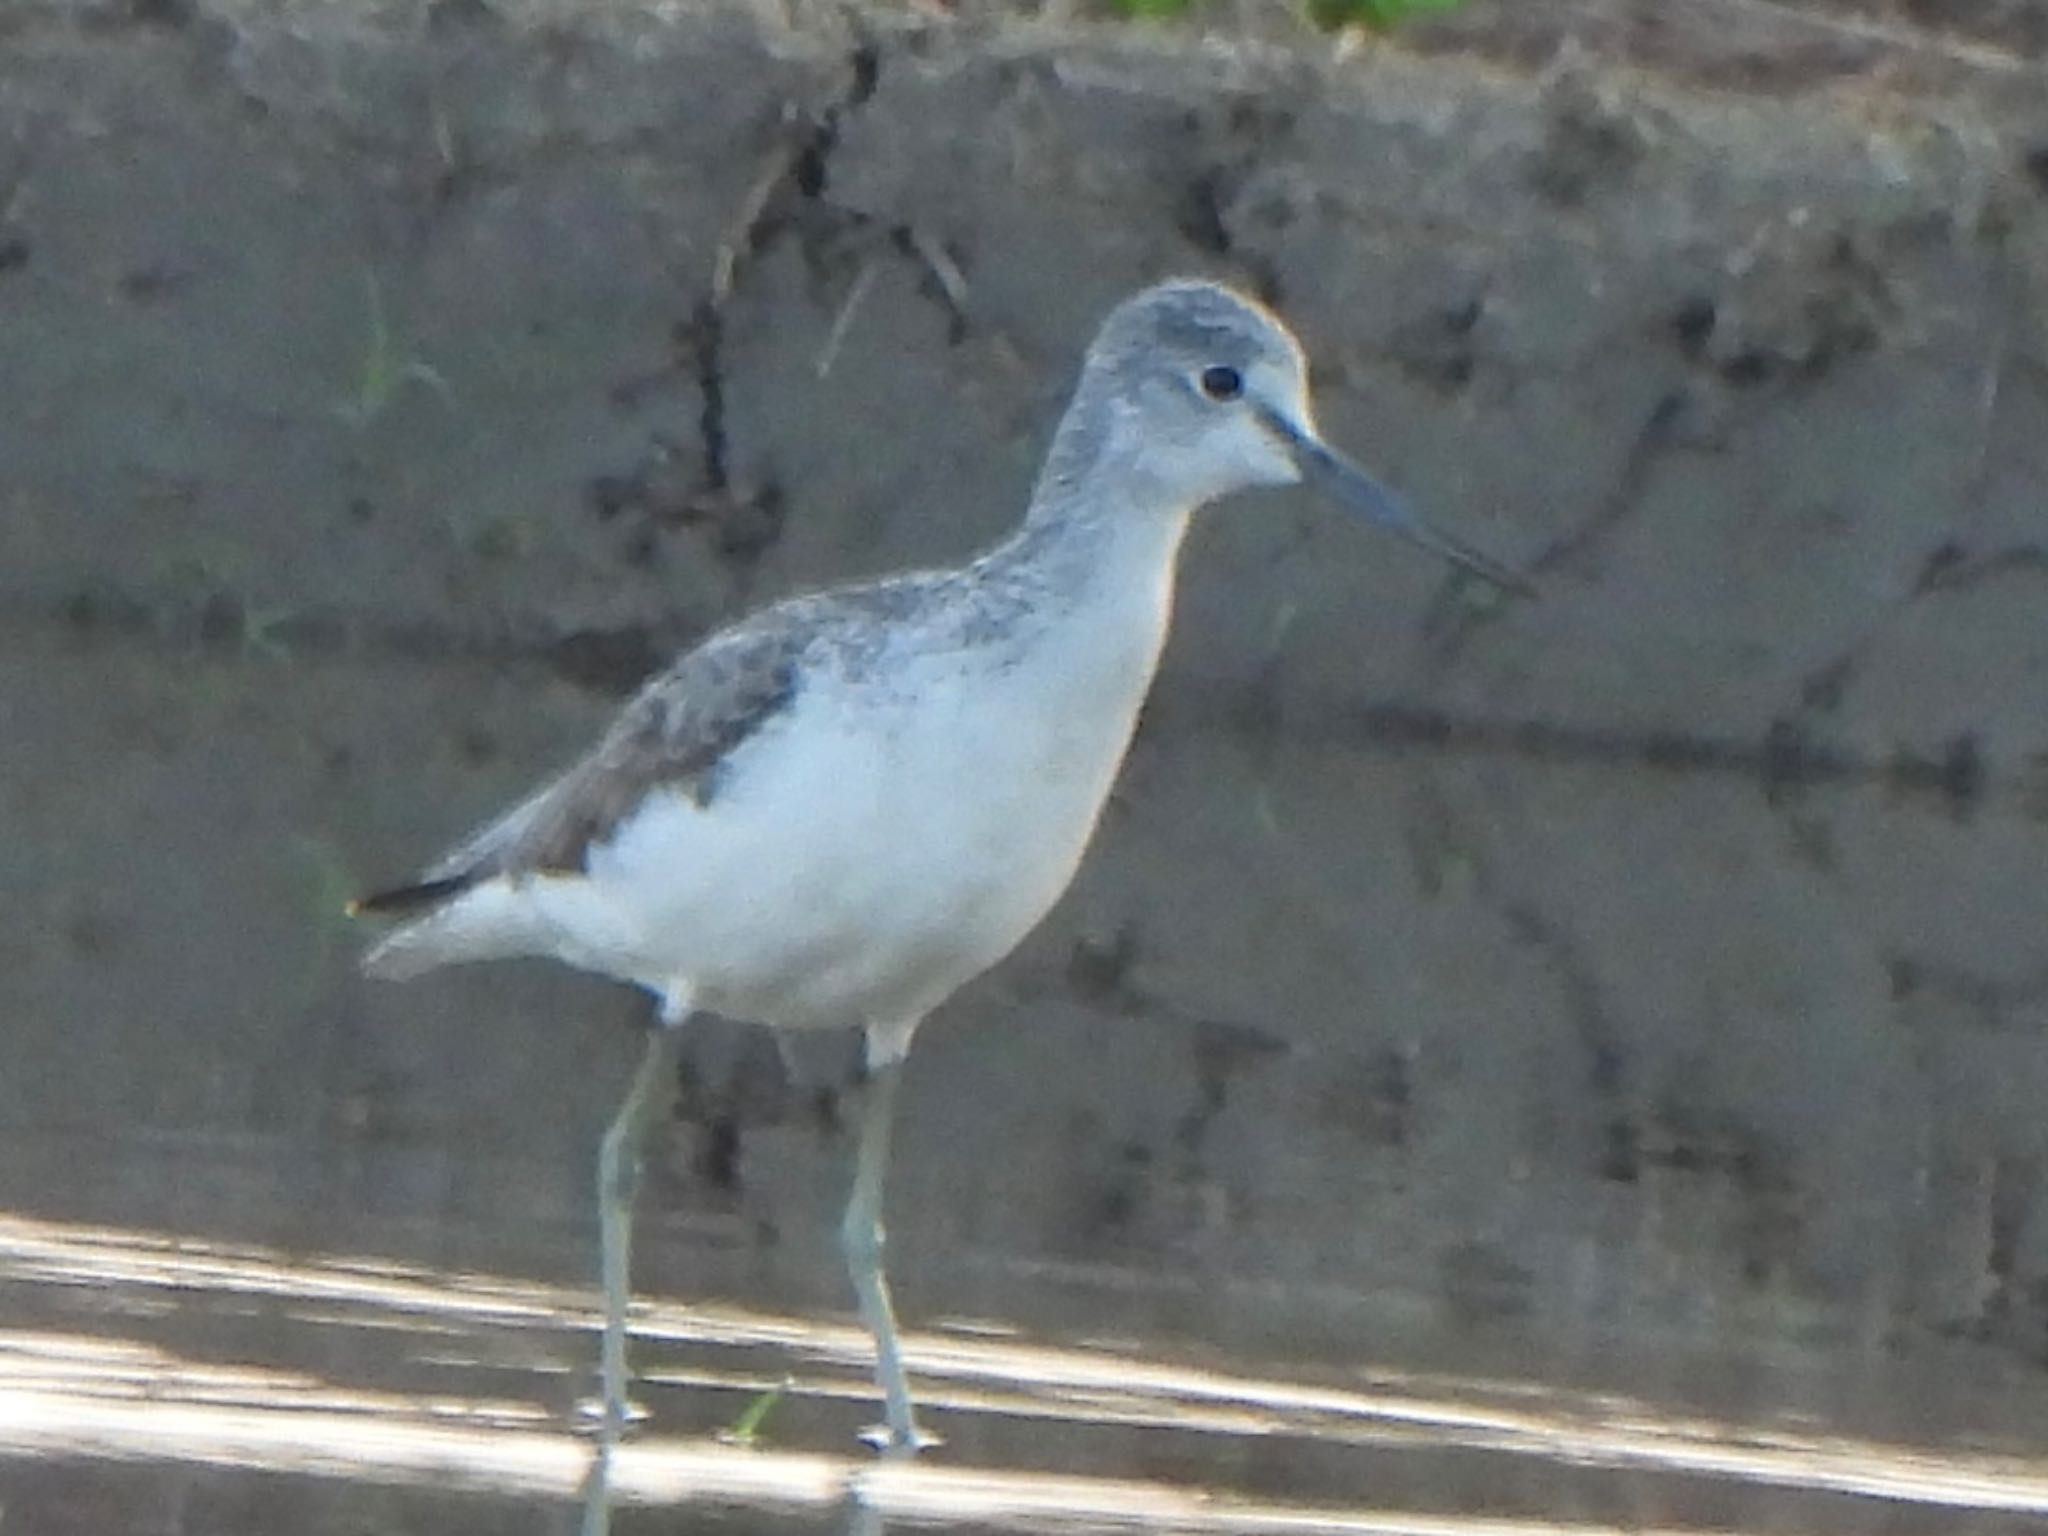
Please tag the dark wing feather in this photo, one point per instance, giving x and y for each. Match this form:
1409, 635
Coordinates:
401, 899
676, 733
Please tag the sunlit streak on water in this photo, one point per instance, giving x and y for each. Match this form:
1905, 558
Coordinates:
73, 1395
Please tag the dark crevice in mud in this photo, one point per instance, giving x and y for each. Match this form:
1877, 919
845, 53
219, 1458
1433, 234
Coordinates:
664, 492
124, 15
453, 18
1802, 312
1439, 349
1949, 569
810, 171
1102, 975
1453, 626
671, 488
2035, 163
1200, 217
228, 626
1222, 1052
1959, 769
1232, 142
1689, 1133
699, 342
1607, 1083
1372, 1096
717, 1158
1787, 758
1589, 147
1693, 323
1987, 1003
1957, 773
839, 241
606, 660
743, 513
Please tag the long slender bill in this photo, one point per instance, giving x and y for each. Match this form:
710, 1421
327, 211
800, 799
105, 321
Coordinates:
1347, 484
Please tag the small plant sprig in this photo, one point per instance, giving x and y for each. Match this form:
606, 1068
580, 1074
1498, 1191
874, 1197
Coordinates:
1376, 15
386, 368
746, 1429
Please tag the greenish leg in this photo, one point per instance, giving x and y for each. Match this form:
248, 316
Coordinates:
861, 1239
597, 1493
618, 1181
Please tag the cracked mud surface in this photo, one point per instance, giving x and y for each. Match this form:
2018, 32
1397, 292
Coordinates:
1646, 976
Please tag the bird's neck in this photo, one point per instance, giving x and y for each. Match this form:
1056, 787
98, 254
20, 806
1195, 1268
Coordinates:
1101, 519
1090, 576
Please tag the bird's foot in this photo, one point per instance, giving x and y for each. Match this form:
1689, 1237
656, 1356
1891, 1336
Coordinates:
892, 1445
594, 1417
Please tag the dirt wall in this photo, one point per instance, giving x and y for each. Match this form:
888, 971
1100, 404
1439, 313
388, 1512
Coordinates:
1658, 964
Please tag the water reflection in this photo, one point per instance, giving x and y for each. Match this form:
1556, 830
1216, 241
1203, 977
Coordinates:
91, 1379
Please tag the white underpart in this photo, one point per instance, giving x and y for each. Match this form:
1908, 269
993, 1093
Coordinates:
886, 840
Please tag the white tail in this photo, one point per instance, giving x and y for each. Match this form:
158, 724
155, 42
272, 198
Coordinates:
491, 921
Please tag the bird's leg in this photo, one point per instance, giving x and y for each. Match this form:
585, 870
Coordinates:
861, 1238
618, 1182
596, 1493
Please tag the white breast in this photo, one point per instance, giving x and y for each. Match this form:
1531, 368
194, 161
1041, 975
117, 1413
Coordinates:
897, 833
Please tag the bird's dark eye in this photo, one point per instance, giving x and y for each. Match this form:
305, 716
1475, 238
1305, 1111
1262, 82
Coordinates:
1222, 382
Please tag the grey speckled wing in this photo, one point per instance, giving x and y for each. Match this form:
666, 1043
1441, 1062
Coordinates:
676, 733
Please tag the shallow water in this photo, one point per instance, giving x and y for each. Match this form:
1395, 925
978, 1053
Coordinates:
152, 1380
280, 1249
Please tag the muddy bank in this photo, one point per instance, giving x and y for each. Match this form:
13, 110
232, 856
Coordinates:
1652, 973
